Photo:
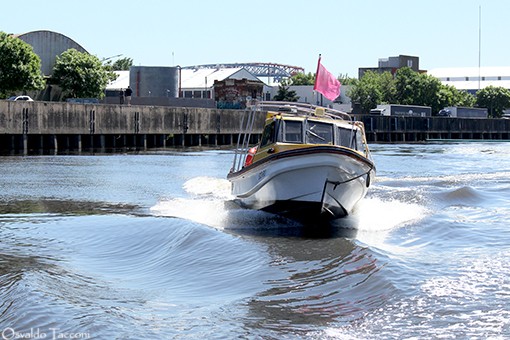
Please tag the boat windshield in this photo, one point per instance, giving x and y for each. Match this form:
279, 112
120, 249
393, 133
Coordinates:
291, 131
312, 132
344, 137
269, 134
319, 133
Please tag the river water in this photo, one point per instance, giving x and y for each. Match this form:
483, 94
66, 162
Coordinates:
150, 246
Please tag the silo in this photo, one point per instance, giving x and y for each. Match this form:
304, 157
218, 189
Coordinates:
154, 81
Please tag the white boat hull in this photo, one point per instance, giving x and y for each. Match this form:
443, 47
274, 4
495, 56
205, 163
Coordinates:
307, 183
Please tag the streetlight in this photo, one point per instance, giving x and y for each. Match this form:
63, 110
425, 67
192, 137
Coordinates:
108, 58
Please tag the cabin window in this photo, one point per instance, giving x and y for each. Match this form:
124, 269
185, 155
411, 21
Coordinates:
292, 132
345, 137
319, 133
269, 134
360, 146
355, 138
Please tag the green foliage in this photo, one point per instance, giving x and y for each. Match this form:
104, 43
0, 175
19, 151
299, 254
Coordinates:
303, 79
119, 65
81, 75
286, 95
20, 67
495, 99
463, 98
309, 79
370, 90
344, 79
406, 88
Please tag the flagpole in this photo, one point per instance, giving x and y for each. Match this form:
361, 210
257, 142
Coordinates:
315, 82
479, 44
317, 72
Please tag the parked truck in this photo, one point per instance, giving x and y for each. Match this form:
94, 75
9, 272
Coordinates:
464, 112
402, 110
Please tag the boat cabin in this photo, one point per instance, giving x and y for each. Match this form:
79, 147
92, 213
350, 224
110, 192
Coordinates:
285, 132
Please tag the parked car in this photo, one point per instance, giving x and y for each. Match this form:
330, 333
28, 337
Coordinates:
24, 98
378, 112
444, 113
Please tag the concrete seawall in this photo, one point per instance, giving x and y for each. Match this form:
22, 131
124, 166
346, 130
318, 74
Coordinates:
36, 127
31, 126
390, 129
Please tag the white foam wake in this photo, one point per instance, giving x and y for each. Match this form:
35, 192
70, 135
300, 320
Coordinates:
375, 219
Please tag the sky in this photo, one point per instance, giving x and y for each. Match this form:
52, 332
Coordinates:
348, 34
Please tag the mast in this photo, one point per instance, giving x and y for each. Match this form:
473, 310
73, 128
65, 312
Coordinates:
479, 44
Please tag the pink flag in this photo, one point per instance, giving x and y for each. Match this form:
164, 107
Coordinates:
326, 83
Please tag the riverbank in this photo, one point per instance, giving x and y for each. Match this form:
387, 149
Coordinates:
55, 127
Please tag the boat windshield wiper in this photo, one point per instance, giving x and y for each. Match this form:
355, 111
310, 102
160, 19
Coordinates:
315, 135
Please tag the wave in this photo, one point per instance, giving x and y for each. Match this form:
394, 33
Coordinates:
501, 177
471, 300
211, 204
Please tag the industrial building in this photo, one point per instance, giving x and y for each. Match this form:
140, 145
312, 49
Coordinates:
175, 86
48, 45
472, 79
392, 64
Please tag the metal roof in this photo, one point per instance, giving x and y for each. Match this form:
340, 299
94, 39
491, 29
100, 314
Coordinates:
192, 78
121, 82
204, 77
274, 70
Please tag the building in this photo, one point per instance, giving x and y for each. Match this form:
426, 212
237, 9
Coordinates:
392, 64
48, 45
174, 86
471, 79
237, 93
199, 82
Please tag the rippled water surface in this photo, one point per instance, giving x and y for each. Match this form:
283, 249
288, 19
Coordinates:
150, 246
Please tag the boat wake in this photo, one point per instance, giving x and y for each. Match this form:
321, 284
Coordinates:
211, 204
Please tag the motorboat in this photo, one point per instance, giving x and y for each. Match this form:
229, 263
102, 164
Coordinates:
311, 162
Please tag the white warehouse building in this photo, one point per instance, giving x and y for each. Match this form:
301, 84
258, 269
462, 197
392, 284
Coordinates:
472, 79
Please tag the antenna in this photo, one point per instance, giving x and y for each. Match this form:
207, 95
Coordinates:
479, 44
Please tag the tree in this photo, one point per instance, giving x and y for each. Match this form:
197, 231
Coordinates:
367, 91
413, 88
20, 67
284, 94
344, 79
387, 87
81, 75
309, 79
450, 96
463, 98
495, 99
302, 79
406, 88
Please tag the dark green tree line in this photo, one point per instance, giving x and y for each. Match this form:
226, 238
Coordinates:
407, 87
495, 99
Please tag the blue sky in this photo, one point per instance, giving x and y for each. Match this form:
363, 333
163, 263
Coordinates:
348, 34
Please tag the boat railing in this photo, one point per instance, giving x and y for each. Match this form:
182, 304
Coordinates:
289, 108
302, 109
309, 110
243, 140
